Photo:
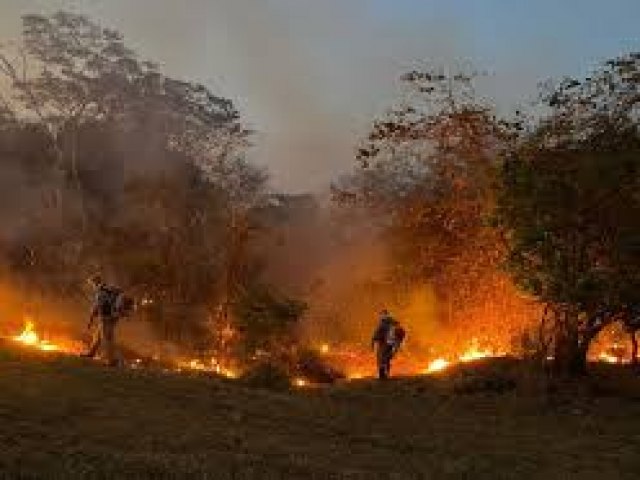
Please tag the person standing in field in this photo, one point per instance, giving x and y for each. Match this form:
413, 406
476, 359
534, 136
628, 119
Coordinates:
109, 305
386, 341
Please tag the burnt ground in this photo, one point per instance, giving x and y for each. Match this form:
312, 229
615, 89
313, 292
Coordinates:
69, 418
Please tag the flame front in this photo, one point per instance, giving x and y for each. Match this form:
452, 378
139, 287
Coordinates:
30, 337
437, 365
357, 362
213, 366
473, 353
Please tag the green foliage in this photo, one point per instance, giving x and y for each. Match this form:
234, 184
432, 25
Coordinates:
572, 224
266, 321
569, 205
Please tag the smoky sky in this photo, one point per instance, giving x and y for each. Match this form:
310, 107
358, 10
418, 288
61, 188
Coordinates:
310, 75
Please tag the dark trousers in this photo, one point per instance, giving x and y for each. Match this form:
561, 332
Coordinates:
105, 338
384, 357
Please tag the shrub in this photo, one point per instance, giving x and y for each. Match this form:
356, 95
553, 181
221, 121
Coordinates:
313, 367
266, 320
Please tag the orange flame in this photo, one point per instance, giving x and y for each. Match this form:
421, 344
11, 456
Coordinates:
437, 365
473, 353
213, 366
30, 337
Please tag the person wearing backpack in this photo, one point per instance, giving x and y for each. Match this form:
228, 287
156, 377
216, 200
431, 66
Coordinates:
109, 305
383, 346
387, 340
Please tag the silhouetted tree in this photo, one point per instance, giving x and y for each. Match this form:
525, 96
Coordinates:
569, 202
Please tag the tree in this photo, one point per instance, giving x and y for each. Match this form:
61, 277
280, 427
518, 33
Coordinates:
92, 132
569, 203
265, 320
427, 170
70, 72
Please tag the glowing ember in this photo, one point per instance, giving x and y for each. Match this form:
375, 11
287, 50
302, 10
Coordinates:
30, 338
136, 363
213, 366
324, 348
300, 382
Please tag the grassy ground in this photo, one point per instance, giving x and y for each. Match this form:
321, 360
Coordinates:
69, 418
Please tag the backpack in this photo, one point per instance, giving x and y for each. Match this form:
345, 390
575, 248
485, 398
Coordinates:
383, 333
390, 337
124, 305
112, 302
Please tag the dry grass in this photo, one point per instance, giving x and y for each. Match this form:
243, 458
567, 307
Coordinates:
68, 418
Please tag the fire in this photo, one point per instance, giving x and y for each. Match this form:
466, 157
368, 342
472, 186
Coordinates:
212, 366
608, 358
30, 337
614, 353
437, 365
226, 372
473, 353
300, 382
358, 363
611, 351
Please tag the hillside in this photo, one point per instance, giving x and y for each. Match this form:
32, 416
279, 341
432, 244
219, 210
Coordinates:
69, 418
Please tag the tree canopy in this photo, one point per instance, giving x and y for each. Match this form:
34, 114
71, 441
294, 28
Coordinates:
569, 202
118, 168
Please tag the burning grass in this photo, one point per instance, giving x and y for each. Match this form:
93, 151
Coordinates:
30, 338
324, 364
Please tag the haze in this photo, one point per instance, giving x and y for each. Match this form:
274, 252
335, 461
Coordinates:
310, 75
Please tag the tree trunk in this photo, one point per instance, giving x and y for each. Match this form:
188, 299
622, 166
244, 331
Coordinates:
570, 357
578, 362
570, 345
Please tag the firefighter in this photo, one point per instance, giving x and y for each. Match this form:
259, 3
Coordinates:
107, 308
386, 341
